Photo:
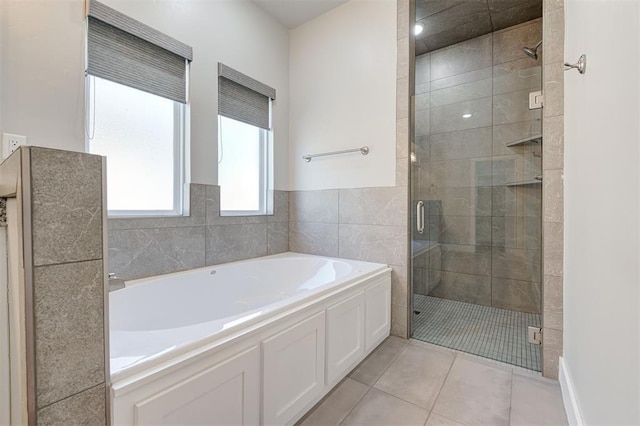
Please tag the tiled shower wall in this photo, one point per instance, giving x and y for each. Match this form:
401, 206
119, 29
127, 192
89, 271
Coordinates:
553, 191
489, 233
143, 247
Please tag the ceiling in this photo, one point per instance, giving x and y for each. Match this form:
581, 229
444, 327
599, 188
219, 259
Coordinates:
292, 13
448, 22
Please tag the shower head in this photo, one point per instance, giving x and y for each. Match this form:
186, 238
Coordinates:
532, 52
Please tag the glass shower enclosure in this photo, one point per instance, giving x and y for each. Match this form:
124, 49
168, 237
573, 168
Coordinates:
476, 190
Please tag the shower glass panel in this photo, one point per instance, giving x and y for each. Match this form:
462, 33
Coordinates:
476, 186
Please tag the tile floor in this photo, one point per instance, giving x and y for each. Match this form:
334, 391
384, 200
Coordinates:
489, 332
412, 383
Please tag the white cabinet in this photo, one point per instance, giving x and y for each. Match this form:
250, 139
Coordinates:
293, 370
378, 313
345, 336
226, 394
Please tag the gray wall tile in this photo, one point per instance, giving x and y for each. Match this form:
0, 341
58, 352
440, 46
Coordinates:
373, 206
69, 329
463, 78
374, 243
475, 201
462, 144
277, 237
553, 303
461, 58
551, 352
514, 295
66, 190
553, 187
462, 92
314, 206
138, 253
461, 173
516, 264
553, 89
508, 43
513, 107
449, 118
399, 321
517, 75
512, 132
554, 36
230, 243
464, 288
314, 238
82, 409
473, 230
466, 259
553, 143
399, 285
517, 232
281, 207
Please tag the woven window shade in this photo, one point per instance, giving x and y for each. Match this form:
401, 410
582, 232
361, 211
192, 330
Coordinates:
242, 98
125, 51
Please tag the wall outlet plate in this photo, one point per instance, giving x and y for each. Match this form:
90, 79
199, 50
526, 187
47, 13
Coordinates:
11, 142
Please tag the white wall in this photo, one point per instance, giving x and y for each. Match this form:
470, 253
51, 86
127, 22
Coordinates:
602, 157
343, 95
44, 59
42, 72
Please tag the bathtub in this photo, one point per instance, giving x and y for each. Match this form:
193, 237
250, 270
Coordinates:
252, 342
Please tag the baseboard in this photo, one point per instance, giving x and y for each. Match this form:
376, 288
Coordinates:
571, 407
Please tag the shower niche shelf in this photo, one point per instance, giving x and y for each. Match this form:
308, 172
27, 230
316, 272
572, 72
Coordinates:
525, 183
528, 140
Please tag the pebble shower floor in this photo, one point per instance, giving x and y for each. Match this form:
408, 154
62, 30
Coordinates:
489, 332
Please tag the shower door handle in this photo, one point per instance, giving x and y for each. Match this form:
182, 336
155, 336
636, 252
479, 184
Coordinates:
420, 217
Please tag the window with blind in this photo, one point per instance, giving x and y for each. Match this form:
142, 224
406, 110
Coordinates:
244, 143
137, 80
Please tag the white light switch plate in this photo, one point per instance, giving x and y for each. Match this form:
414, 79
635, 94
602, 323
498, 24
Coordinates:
12, 142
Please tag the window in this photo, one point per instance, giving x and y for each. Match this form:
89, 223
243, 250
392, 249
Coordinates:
141, 136
244, 138
136, 101
242, 167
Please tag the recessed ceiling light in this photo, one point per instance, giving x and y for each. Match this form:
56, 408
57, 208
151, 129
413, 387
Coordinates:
418, 28
466, 115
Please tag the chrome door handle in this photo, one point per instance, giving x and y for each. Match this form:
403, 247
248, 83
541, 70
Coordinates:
420, 217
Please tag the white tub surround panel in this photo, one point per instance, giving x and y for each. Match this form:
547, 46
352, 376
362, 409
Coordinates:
277, 344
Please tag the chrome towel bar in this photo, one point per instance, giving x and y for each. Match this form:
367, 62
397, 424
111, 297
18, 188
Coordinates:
364, 151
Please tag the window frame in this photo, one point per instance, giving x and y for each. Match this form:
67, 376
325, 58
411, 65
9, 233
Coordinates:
264, 142
179, 138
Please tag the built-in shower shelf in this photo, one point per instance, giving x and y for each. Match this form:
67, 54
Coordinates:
530, 139
526, 183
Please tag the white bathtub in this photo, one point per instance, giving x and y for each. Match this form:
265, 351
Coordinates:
167, 331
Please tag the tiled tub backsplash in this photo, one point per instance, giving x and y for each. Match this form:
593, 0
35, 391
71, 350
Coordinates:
143, 247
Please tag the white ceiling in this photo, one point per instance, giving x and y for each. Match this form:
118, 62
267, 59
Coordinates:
292, 13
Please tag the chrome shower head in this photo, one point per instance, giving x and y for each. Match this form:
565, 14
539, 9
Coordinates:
532, 52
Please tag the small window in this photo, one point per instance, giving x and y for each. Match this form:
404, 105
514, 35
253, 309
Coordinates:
244, 143
141, 136
137, 93
242, 167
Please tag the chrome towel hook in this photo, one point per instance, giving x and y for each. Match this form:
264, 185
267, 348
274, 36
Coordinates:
581, 65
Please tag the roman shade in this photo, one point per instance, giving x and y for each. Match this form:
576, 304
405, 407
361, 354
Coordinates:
242, 98
125, 51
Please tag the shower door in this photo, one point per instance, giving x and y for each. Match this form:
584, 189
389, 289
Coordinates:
476, 195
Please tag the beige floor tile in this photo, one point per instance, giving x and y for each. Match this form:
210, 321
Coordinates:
337, 405
436, 419
475, 394
536, 402
379, 408
372, 368
416, 375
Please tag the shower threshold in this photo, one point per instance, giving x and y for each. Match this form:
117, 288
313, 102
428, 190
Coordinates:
493, 333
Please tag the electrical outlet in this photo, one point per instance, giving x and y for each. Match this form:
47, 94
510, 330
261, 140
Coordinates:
11, 142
